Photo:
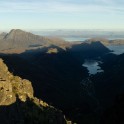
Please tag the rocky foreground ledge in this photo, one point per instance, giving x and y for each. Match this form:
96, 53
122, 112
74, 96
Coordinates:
19, 106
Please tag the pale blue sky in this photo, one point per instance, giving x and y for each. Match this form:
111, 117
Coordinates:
62, 14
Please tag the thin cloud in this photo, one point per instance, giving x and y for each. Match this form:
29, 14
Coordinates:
61, 6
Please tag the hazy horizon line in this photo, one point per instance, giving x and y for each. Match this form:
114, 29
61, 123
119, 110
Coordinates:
62, 29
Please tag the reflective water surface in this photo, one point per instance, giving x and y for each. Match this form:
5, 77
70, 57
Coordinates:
92, 66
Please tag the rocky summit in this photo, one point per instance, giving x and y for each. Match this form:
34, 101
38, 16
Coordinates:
18, 104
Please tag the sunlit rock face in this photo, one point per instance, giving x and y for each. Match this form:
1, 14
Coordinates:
18, 104
10, 86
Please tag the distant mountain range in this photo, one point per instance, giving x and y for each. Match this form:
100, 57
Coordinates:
18, 41
106, 42
79, 32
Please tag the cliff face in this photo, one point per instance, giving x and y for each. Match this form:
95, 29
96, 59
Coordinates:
19, 106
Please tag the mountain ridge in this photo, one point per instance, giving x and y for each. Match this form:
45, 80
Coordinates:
18, 40
105, 41
18, 104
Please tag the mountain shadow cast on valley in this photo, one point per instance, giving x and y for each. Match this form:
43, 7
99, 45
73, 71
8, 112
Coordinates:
56, 76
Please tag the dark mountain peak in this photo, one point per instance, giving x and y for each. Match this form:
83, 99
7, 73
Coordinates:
104, 41
90, 49
89, 45
96, 43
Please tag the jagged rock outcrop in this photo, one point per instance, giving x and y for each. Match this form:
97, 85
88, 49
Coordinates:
10, 86
19, 106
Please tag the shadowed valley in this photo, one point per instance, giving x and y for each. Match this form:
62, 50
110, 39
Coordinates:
55, 69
